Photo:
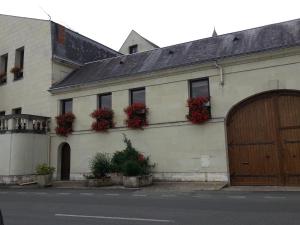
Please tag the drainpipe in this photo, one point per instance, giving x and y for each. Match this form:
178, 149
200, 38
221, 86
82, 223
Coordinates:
218, 66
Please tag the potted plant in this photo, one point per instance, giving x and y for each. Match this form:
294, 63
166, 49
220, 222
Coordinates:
198, 110
100, 166
136, 116
44, 175
134, 166
104, 119
64, 124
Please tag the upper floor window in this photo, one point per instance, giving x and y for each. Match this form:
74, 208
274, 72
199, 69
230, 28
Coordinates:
133, 49
199, 87
3, 68
19, 64
17, 111
66, 106
137, 96
104, 101
2, 113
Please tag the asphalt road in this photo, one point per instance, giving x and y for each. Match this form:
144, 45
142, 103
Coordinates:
130, 207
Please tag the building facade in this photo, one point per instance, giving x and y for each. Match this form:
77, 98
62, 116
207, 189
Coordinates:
251, 79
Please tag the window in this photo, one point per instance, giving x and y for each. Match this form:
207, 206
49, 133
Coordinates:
19, 64
104, 101
199, 87
66, 106
133, 49
3, 68
137, 96
2, 113
17, 111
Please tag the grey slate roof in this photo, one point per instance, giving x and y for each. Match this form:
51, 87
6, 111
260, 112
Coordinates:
78, 48
270, 37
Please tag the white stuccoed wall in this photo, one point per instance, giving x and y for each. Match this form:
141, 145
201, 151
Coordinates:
30, 93
180, 150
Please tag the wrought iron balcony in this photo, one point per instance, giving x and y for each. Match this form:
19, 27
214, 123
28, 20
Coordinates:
24, 123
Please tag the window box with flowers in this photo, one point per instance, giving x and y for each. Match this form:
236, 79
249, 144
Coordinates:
199, 110
104, 119
64, 124
17, 72
136, 116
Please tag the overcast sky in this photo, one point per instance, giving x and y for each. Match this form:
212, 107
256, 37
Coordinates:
164, 22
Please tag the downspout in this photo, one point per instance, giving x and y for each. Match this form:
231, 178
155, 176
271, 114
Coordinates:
218, 66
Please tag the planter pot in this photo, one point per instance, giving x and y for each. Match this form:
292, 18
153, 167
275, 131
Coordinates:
106, 181
137, 181
44, 180
116, 178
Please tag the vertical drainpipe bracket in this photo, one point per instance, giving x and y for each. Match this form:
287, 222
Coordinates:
218, 66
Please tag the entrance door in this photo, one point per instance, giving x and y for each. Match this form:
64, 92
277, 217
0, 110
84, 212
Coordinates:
65, 162
264, 140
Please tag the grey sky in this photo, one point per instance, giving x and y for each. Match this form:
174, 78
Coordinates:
164, 22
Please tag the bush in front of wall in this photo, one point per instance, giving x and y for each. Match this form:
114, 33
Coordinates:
132, 168
104, 119
64, 124
198, 111
100, 165
136, 115
44, 169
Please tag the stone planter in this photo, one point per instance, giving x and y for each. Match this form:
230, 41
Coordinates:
137, 181
44, 180
116, 178
106, 181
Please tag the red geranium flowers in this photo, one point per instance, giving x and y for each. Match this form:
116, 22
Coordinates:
136, 115
64, 124
198, 111
104, 119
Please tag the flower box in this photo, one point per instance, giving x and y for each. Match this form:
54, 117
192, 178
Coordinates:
104, 119
44, 180
116, 178
199, 110
64, 124
136, 115
137, 181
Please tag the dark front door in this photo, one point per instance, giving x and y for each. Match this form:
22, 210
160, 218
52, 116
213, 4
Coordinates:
263, 136
65, 162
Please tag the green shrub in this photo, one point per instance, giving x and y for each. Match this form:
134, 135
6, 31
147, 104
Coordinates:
132, 168
44, 169
100, 165
130, 154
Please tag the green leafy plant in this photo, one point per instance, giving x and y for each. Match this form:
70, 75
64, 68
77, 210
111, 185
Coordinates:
130, 154
100, 165
132, 168
44, 169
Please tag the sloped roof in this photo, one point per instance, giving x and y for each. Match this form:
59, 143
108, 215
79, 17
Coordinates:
270, 37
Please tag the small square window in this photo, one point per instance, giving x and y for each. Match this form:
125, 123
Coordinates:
137, 96
199, 88
17, 111
104, 101
66, 106
133, 49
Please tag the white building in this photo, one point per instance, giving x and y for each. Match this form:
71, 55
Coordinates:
251, 77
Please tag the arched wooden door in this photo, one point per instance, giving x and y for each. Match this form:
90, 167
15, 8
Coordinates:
65, 162
263, 134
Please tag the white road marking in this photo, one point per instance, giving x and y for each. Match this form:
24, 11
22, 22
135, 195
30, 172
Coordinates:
40, 193
63, 193
275, 197
202, 196
237, 196
166, 195
3, 192
21, 192
112, 194
87, 194
139, 195
116, 218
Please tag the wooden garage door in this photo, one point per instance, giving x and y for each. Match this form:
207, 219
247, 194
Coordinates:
264, 140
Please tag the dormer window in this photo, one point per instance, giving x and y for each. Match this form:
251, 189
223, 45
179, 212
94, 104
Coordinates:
133, 49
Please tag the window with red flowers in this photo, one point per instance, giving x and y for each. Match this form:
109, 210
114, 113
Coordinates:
103, 119
64, 124
198, 103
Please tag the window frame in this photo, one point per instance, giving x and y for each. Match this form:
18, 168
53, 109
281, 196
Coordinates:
131, 47
19, 62
136, 89
2, 113
197, 80
62, 105
99, 100
14, 110
4, 68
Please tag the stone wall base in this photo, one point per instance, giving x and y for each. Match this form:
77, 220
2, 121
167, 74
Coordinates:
16, 179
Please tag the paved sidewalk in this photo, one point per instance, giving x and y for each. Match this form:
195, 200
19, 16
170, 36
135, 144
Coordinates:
261, 188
